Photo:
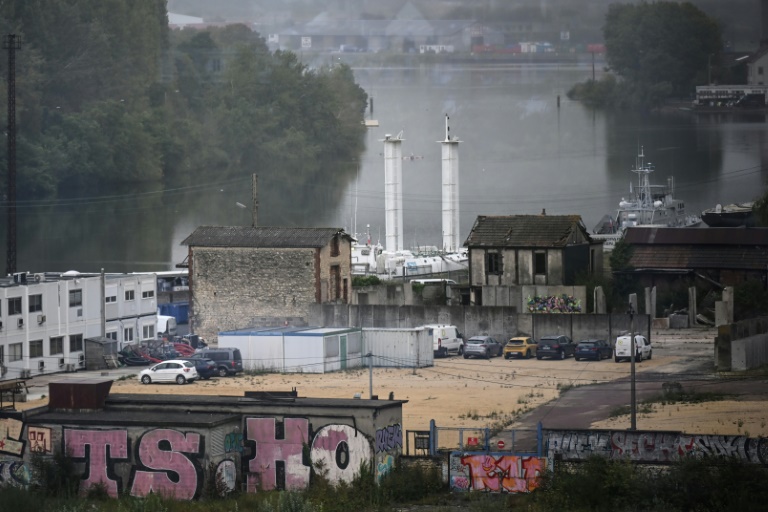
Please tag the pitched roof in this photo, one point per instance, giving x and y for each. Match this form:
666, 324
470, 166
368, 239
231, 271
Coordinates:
243, 236
698, 248
526, 231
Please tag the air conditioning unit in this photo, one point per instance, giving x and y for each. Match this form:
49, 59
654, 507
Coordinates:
79, 312
21, 323
70, 368
26, 374
61, 362
81, 361
41, 366
40, 319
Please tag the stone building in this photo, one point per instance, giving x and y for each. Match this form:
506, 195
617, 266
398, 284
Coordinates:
541, 251
262, 276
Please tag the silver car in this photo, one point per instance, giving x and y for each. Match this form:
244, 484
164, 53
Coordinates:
482, 346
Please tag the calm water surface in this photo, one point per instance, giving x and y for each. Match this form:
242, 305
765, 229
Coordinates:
520, 154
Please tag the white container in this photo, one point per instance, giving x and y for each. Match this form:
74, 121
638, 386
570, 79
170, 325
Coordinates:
399, 348
322, 350
262, 348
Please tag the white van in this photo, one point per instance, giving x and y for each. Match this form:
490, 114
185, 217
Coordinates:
446, 339
623, 350
166, 326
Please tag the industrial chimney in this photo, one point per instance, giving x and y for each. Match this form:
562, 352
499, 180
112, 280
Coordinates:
450, 190
393, 191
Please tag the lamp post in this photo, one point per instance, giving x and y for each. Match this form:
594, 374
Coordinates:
632, 398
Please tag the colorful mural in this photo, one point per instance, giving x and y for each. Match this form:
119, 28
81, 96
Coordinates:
664, 447
495, 472
554, 304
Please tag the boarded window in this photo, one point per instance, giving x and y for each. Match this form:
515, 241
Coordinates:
540, 263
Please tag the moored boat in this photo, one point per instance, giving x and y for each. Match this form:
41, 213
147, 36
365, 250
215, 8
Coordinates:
647, 205
730, 215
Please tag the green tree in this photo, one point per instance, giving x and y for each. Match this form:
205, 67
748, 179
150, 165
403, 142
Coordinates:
661, 49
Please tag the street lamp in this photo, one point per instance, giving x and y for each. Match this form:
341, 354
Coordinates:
633, 398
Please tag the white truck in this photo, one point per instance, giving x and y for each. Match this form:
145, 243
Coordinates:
166, 326
446, 339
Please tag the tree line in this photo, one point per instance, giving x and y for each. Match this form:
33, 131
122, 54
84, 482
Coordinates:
108, 97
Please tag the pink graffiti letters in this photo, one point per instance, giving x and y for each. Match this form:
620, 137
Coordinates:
99, 448
263, 468
389, 438
505, 473
174, 474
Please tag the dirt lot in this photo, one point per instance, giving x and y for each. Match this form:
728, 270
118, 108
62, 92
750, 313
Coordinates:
479, 393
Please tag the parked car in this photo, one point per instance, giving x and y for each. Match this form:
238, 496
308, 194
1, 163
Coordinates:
174, 370
482, 346
206, 368
556, 346
228, 361
623, 349
593, 349
521, 346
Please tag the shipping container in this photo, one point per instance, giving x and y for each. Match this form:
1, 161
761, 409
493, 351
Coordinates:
399, 348
323, 350
262, 348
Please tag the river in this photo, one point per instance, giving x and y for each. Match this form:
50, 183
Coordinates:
525, 148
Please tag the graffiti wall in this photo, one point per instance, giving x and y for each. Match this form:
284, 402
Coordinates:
266, 454
653, 447
494, 472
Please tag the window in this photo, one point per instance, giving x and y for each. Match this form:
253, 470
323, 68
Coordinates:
14, 352
14, 306
129, 295
56, 345
493, 263
75, 298
148, 332
110, 299
540, 263
36, 348
112, 335
35, 303
2, 354
128, 334
147, 294
76, 342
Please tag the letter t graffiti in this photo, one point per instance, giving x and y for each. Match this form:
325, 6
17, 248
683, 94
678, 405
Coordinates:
104, 446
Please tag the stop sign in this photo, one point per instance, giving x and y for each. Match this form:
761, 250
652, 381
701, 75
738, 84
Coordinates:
500, 444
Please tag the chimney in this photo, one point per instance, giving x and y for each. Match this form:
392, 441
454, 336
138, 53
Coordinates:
393, 191
450, 190
543, 211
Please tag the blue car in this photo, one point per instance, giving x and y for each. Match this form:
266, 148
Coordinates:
205, 367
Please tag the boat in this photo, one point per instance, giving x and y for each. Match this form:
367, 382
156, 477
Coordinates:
647, 206
730, 215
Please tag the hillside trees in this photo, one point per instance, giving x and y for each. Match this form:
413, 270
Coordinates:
108, 96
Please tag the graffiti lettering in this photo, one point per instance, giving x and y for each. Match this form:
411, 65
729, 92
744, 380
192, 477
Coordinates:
14, 472
389, 438
233, 442
505, 473
340, 449
103, 445
39, 439
262, 468
658, 447
175, 474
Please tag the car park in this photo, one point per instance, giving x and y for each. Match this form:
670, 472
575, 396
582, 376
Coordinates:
482, 346
175, 370
623, 350
206, 368
556, 346
228, 361
520, 346
593, 349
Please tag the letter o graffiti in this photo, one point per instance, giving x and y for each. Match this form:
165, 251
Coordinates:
342, 455
341, 450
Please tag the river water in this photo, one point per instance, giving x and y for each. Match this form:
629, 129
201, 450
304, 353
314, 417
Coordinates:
525, 148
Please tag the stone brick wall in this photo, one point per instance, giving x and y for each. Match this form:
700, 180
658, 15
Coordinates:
233, 287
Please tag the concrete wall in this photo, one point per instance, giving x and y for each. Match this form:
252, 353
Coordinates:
500, 322
742, 345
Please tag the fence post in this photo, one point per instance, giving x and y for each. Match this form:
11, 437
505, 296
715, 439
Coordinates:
432, 438
539, 438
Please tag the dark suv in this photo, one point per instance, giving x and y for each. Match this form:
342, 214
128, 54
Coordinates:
228, 360
206, 368
557, 347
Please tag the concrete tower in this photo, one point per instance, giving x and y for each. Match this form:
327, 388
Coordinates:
451, 242
393, 191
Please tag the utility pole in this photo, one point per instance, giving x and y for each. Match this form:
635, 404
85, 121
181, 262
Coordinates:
254, 199
11, 43
633, 398
369, 355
